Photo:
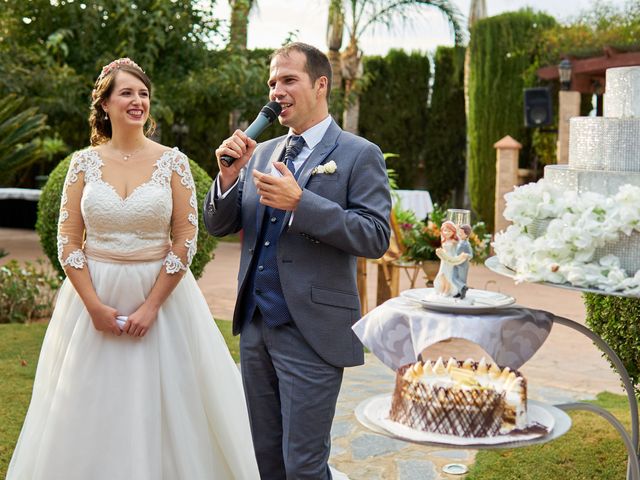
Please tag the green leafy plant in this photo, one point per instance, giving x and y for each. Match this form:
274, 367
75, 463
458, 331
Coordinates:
27, 290
19, 145
49, 209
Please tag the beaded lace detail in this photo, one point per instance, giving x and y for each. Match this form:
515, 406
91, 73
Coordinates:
161, 212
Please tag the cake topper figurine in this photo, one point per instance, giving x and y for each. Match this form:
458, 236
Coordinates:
444, 284
461, 271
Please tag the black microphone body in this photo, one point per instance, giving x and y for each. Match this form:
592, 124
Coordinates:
265, 118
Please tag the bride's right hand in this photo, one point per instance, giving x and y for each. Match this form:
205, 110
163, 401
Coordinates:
104, 319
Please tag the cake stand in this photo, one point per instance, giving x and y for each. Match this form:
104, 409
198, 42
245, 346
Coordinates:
631, 443
499, 331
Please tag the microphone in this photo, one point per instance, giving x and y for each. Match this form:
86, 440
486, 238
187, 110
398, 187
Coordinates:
265, 118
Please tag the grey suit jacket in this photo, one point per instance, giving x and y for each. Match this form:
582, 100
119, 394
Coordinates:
341, 216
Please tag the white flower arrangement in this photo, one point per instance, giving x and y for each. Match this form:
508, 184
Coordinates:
328, 168
555, 235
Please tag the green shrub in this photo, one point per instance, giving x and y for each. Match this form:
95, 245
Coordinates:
615, 319
27, 291
49, 207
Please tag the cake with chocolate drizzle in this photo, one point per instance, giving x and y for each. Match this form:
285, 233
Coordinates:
467, 399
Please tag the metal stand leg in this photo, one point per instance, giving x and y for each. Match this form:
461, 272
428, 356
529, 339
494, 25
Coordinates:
628, 385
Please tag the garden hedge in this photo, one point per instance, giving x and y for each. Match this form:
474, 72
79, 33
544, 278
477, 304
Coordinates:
393, 111
446, 136
615, 319
503, 49
49, 207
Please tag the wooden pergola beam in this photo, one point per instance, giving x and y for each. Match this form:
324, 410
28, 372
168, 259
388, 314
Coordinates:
585, 71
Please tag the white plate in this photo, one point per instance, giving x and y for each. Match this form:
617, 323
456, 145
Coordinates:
476, 301
377, 412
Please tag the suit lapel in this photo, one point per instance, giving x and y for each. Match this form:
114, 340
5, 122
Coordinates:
266, 168
322, 150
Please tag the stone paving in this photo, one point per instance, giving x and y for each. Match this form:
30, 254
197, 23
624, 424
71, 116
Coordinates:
553, 374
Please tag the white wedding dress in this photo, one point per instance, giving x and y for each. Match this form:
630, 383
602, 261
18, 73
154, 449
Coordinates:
167, 406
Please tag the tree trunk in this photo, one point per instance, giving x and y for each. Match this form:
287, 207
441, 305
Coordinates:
352, 72
238, 43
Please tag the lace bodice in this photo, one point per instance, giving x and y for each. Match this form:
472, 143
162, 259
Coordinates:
158, 219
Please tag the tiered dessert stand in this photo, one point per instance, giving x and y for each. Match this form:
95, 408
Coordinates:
561, 421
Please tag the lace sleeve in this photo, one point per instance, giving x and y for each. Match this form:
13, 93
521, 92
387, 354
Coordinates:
184, 219
70, 222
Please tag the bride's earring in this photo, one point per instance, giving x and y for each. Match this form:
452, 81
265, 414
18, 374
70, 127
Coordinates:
106, 116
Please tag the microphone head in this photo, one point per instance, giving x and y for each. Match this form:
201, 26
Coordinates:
271, 110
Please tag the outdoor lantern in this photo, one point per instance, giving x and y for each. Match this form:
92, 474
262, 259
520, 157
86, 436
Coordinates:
564, 71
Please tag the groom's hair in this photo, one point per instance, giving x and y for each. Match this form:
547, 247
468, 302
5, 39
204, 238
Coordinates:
317, 64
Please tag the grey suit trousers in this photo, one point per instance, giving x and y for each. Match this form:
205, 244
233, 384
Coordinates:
291, 394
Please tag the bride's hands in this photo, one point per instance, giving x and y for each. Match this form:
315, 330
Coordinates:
140, 321
104, 319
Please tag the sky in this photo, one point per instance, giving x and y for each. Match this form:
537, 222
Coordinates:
273, 21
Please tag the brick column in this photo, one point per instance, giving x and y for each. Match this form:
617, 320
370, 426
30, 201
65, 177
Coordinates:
569, 106
508, 151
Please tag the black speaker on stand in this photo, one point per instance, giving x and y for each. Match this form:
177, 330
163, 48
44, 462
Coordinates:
538, 110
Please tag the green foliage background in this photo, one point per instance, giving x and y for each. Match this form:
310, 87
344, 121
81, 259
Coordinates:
446, 136
615, 319
393, 110
49, 208
503, 48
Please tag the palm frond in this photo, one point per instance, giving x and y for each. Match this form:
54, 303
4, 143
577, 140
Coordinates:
385, 12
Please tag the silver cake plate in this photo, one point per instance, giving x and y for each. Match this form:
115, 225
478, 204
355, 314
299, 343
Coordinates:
373, 413
475, 301
493, 264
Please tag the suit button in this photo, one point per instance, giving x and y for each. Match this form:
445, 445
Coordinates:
260, 268
258, 291
274, 219
267, 243
251, 251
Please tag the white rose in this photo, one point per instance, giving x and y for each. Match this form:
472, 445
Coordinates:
330, 167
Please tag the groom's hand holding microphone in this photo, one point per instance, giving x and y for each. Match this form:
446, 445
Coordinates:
234, 152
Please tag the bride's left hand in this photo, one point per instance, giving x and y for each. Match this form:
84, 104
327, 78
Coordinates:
140, 321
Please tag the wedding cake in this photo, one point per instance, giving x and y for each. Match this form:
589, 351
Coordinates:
467, 399
580, 224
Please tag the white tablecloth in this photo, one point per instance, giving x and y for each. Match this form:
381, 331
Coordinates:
418, 201
19, 194
399, 330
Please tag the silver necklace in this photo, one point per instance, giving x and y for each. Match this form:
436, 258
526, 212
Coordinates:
127, 156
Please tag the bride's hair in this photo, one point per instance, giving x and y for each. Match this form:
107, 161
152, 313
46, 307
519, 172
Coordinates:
100, 124
448, 225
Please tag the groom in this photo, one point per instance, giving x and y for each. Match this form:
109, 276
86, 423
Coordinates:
311, 202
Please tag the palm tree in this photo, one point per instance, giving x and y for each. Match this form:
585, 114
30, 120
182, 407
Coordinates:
356, 17
238, 42
20, 146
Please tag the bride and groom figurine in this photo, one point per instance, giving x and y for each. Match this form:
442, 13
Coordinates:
454, 254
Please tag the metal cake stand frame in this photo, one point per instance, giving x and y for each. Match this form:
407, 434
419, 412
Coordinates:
562, 421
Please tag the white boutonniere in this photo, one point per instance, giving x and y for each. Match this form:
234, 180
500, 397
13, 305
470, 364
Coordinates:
328, 168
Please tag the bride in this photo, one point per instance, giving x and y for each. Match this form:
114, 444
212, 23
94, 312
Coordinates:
134, 379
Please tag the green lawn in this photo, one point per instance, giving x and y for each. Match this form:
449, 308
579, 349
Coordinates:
19, 349
591, 450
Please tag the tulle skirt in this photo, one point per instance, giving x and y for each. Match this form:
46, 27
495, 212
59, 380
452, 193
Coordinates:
166, 406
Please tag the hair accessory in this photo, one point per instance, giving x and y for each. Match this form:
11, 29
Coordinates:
117, 64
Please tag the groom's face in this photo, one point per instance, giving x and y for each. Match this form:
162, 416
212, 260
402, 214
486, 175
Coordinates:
303, 102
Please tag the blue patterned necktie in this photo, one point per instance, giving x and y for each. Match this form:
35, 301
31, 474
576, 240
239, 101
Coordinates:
295, 143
